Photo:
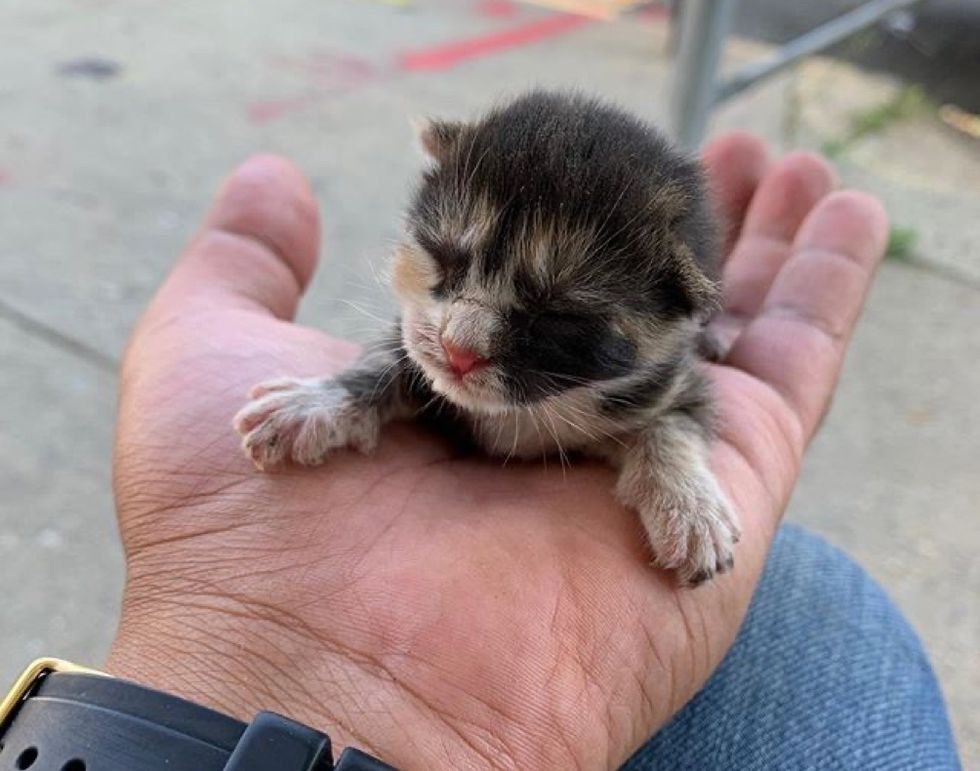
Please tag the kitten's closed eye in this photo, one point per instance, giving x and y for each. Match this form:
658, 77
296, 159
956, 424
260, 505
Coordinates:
447, 255
451, 260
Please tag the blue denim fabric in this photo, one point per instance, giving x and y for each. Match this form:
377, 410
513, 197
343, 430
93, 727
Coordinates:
825, 674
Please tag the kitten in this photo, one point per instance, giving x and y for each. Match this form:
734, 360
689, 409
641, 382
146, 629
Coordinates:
558, 266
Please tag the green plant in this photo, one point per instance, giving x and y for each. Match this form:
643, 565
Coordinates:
901, 242
909, 101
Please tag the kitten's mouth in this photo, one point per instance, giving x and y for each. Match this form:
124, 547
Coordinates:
475, 389
461, 376
470, 391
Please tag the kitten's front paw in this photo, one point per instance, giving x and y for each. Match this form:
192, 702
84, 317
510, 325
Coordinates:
692, 528
303, 420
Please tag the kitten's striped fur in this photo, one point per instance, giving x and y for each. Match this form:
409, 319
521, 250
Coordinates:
566, 244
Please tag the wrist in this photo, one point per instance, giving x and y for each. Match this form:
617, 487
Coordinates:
222, 619
212, 653
74, 718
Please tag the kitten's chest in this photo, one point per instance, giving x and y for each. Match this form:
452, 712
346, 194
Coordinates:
545, 429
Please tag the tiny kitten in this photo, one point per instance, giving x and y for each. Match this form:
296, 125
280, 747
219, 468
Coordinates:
556, 272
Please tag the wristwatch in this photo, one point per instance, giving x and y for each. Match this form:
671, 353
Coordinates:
62, 717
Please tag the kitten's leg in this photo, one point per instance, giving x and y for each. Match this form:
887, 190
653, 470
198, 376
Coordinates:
664, 476
303, 419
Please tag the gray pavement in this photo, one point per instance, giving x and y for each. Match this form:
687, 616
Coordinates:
103, 178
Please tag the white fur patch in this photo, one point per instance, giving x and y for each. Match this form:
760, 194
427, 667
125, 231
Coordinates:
303, 420
665, 478
555, 426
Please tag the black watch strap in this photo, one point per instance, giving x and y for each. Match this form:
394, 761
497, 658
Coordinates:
89, 722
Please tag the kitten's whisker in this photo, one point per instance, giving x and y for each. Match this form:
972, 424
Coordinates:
586, 415
357, 333
391, 372
433, 400
557, 413
517, 434
357, 283
537, 430
557, 377
562, 457
367, 313
500, 432
379, 279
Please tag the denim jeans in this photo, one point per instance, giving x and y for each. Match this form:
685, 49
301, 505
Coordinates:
824, 674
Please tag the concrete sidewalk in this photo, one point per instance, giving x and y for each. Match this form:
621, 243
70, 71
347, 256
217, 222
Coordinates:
119, 118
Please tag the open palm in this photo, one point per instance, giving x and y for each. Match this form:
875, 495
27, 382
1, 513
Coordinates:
437, 611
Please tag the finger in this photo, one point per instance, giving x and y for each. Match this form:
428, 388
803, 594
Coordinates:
257, 247
797, 342
783, 200
735, 163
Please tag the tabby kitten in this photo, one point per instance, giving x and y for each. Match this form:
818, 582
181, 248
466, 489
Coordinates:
556, 272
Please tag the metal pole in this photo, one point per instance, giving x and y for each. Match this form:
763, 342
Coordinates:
812, 42
704, 26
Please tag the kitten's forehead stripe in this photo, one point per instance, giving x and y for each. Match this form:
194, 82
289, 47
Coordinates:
575, 189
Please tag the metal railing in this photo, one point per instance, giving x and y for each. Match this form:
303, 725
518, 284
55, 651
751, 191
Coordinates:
703, 28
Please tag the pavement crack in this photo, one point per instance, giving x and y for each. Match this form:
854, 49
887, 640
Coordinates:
949, 273
73, 346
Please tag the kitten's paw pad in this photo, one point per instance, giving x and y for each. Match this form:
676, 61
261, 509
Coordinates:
303, 420
693, 533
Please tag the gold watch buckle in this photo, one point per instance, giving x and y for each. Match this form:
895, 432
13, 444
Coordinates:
30, 677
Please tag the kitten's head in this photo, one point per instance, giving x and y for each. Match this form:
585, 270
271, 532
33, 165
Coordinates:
555, 244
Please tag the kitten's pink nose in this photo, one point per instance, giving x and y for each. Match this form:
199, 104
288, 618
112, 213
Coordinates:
461, 360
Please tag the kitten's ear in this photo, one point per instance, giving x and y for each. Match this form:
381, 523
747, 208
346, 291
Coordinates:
672, 202
437, 138
702, 292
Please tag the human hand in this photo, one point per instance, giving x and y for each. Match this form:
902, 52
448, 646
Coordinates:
435, 611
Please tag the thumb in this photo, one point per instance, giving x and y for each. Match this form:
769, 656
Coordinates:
256, 249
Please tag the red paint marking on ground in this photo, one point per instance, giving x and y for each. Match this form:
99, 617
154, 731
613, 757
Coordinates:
443, 57
353, 67
326, 74
653, 13
4, 177
496, 8
267, 110
329, 68
333, 74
